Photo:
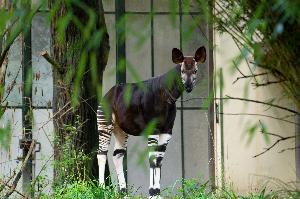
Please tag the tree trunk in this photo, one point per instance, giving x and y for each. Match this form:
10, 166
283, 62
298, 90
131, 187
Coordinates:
68, 49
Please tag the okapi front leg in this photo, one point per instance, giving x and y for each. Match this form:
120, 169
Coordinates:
118, 156
157, 146
104, 129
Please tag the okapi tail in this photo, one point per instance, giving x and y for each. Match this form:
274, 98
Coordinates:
105, 128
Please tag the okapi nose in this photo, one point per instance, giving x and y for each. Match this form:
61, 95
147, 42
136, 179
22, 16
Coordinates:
188, 88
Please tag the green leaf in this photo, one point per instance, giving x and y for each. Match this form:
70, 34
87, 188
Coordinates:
62, 24
127, 94
136, 77
264, 131
251, 130
150, 128
106, 109
207, 102
79, 75
5, 136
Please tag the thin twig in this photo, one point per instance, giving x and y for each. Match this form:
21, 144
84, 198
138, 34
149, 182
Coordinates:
85, 101
10, 187
242, 99
51, 60
288, 149
71, 108
246, 60
249, 76
263, 115
68, 103
4, 54
265, 103
267, 83
281, 138
19, 174
11, 87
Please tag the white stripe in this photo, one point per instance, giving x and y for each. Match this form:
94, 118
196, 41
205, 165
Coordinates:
101, 165
156, 184
151, 178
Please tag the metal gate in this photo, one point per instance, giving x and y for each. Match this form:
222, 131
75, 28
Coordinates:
23, 60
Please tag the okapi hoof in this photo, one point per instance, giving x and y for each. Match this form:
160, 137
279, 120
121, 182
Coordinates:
123, 190
154, 193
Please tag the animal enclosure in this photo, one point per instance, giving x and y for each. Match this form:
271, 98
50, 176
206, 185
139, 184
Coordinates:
237, 129
149, 40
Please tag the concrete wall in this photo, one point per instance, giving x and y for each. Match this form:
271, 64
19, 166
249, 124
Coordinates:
241, 170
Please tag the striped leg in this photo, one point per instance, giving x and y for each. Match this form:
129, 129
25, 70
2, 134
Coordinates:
118, 156
157, 146
104, 128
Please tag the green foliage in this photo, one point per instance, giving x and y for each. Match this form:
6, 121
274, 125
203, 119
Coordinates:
269, 32
191, 189
73, 163
16, 20
5, 136
84, 190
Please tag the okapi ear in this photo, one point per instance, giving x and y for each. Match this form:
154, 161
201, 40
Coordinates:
177, 56
200, 55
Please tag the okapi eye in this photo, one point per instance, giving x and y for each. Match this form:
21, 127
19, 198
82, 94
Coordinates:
195, 71
182, 72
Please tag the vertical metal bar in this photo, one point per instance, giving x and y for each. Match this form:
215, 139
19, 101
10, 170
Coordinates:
222, 128
211, 148
27, 104
297, 151
181, 104
121, 53
152, 40
120, 41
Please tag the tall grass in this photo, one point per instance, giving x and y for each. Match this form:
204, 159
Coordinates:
192, 189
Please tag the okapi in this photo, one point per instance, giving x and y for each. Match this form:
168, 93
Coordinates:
156, 100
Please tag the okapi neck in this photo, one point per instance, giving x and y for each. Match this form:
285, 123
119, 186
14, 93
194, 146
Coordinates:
172, 85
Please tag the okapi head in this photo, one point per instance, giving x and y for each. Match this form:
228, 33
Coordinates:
189, 66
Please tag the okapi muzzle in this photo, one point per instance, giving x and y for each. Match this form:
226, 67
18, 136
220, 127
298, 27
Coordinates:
189, 66
156, 101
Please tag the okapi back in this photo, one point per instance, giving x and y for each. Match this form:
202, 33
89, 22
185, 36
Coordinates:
152, 99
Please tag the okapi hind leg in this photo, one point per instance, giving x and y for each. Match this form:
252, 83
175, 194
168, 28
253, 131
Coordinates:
118, 157
105, 129
157, 145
